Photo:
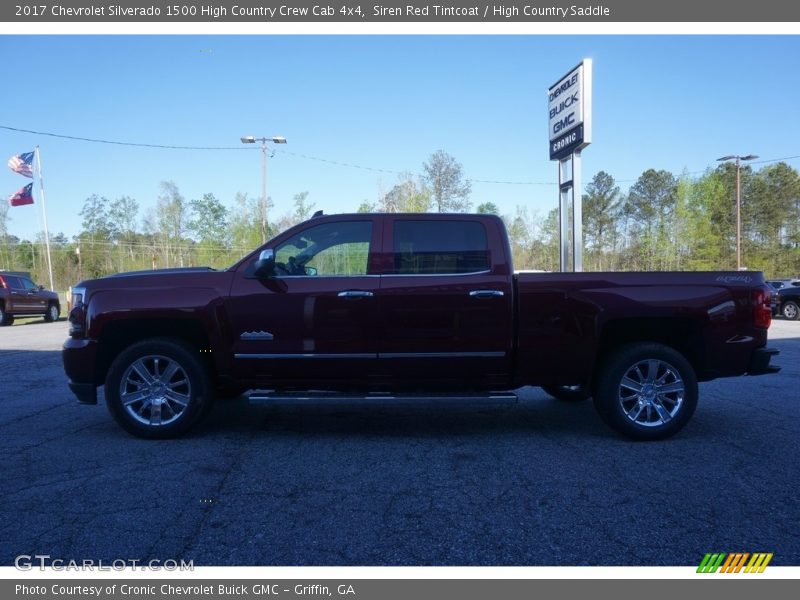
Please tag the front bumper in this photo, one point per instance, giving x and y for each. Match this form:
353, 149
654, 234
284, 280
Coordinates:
85, 392
759, 362
79, 357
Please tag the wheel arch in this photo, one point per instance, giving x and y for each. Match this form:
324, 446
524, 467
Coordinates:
681, 334
119, 335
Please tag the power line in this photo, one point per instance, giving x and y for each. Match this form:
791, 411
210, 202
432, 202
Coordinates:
118, 143
144, 246
316, 158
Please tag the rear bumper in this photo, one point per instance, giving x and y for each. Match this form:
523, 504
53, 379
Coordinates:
759, 362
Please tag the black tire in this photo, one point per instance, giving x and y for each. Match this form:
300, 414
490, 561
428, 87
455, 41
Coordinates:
141, 372
568, 393
790, 310
639, 403
52, 313
5, 318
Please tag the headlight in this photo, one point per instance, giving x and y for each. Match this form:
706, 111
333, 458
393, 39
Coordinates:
77, 316
77, 296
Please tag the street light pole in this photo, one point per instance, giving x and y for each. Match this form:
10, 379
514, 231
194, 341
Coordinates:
263, 190
738, 160
249, 139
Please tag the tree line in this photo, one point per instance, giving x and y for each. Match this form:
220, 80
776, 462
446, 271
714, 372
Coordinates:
662, 222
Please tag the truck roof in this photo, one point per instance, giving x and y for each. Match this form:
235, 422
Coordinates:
15, 273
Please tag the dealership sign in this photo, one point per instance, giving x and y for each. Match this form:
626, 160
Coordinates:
570, 112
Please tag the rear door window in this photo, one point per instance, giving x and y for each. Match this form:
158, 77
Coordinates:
439, 247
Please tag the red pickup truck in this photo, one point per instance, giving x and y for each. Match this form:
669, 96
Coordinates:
401, 303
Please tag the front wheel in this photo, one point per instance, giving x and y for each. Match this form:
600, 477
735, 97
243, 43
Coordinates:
790, 311
568, 393
158, 388
646, 391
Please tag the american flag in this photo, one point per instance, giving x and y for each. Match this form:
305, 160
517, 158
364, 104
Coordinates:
22, 164
22, 197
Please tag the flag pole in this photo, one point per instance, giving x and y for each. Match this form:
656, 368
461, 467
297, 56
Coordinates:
44, 214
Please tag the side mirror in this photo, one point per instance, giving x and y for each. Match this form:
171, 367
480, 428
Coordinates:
41, 288
265, 265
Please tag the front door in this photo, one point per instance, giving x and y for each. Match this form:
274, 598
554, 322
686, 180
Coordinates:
315, 319
36, 301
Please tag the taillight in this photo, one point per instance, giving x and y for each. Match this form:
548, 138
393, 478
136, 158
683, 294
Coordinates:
3, 283
762, 307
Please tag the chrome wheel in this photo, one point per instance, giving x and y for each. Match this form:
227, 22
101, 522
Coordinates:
52, 313
790, 311
651, 393
155, 390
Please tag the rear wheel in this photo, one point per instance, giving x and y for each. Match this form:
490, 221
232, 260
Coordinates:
646, 391
568, 393
790, 311
158, 388
52, 313
5, 318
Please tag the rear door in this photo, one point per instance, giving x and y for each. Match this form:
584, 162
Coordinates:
446, 305
18, 302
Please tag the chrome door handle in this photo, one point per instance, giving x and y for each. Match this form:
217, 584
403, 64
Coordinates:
486, 293
355, 294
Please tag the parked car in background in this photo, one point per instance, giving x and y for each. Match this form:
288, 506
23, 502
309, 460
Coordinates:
786, 301
778, 284
20, 297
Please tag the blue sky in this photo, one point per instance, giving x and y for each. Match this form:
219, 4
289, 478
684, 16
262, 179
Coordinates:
384, 102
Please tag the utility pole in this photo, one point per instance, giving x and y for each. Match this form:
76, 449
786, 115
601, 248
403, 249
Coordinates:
249, 139
738, 160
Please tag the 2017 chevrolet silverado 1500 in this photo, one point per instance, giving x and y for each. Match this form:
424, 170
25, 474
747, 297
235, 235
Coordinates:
403, 303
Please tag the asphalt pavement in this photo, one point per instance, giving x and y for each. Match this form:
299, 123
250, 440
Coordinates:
534, 483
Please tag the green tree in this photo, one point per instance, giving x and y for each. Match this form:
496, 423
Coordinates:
520, 238
650, 205
171, 215
488, 208
245, 224
600, 214
94, 240
122, 216
444, 176
406, 196
209, 223
302, 208
6, 245
771, 220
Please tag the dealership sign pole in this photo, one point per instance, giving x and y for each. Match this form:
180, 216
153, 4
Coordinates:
570, 125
